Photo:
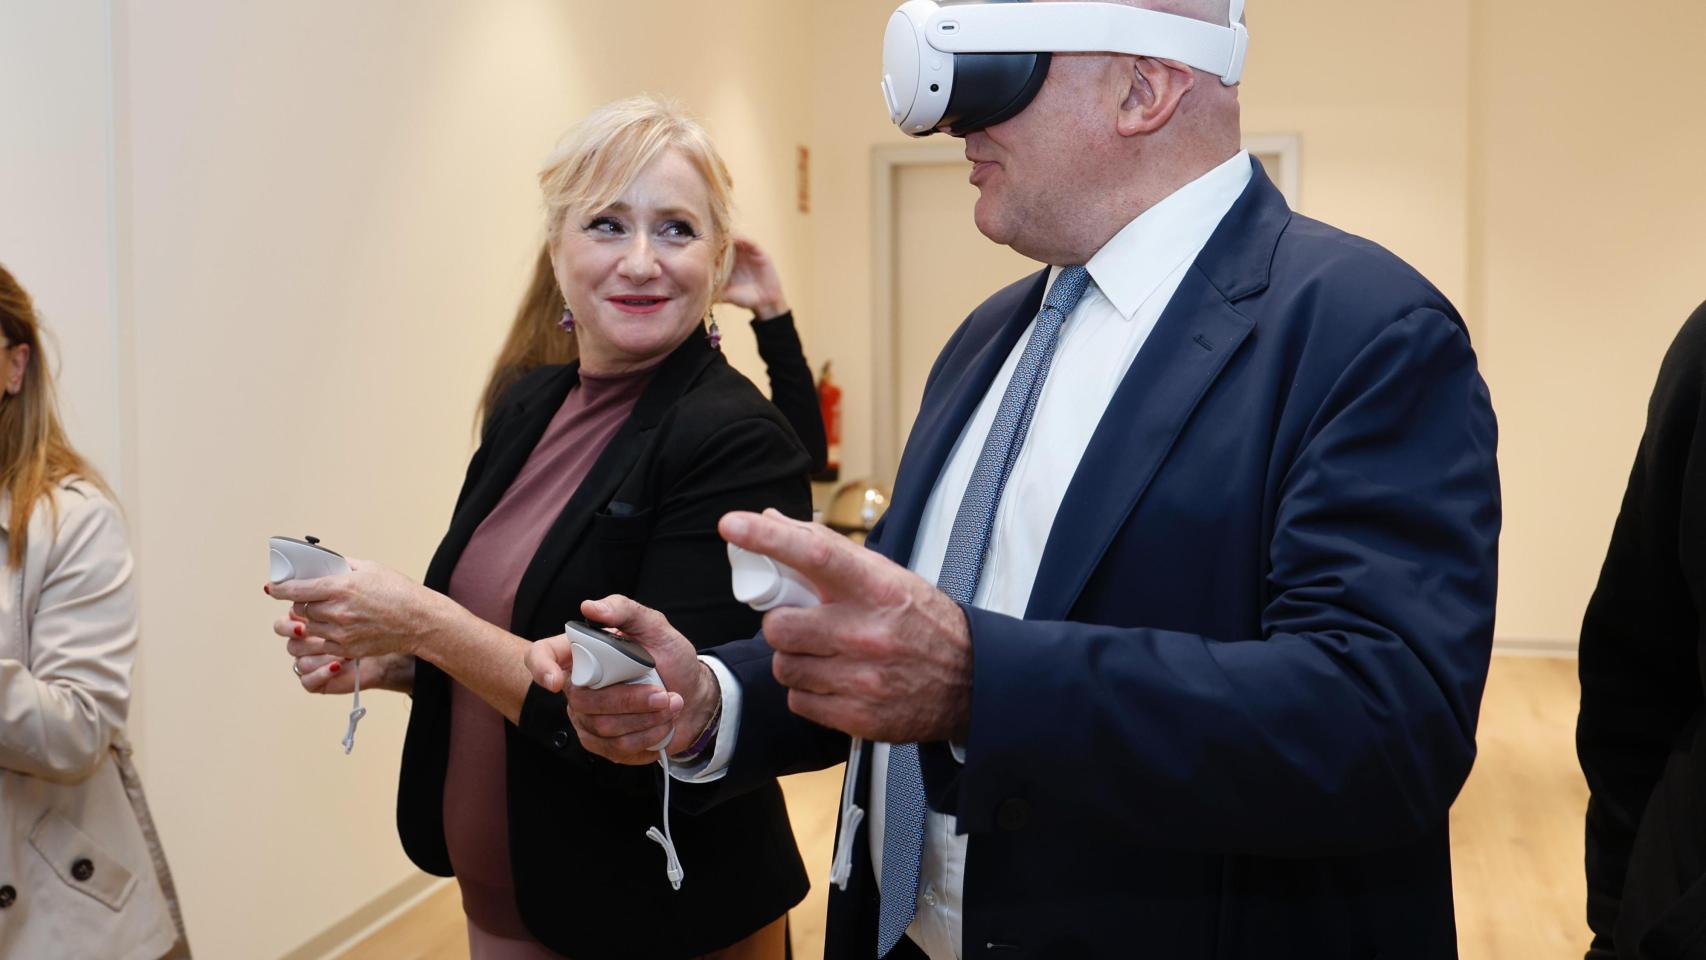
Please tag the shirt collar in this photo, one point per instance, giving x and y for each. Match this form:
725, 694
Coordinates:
1132, 266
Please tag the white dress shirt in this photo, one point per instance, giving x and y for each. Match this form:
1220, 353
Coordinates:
1134, 278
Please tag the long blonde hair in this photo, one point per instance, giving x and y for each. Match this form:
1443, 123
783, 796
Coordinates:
534, 339
35, 455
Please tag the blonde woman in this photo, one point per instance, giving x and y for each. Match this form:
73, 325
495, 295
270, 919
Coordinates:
81, 870
600, 476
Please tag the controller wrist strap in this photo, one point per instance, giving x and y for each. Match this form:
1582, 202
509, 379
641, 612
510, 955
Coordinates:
851, 816
663, 838
357, 712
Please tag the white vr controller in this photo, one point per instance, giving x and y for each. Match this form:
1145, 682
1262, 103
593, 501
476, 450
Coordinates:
305, 559
603, 658
764, 584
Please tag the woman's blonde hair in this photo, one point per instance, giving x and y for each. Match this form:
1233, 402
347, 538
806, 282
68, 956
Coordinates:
600, 156
535, 339
35, 455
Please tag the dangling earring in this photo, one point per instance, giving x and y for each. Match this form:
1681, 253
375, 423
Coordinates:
568, 321
716, 336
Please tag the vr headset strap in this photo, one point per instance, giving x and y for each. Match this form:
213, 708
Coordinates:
1091, 28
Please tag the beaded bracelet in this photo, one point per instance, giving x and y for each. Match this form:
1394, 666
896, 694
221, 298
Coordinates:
705, 739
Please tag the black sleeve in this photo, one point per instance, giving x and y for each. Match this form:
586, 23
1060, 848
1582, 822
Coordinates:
1640, 635
791, 387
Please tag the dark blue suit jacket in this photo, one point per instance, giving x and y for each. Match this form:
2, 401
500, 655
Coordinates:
1244, 694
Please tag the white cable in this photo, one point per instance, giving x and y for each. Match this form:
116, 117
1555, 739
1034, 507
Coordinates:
672, 867
355, 714
851, 816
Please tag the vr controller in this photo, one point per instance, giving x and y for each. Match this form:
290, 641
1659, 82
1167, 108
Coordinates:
603, 658
305, 559
764, 584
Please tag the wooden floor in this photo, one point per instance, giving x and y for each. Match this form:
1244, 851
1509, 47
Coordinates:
1516, 837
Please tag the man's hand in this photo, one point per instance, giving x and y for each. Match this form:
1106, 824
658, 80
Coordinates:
626, 722
886, 657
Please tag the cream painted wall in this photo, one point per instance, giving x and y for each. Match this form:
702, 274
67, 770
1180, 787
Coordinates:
57, 207
333, 215
1376, 93
1589, 130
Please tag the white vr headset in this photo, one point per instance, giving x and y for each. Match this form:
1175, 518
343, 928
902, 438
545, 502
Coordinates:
966, 66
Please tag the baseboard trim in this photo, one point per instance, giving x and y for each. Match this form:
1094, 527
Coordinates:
367, 918
1533, 647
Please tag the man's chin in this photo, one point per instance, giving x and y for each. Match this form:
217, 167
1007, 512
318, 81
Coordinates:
987, 216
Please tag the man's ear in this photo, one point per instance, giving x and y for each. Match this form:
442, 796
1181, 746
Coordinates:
1153, 89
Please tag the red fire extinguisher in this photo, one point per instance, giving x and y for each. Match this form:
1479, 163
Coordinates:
829, 405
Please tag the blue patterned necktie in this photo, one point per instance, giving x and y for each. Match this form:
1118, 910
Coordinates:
903, 802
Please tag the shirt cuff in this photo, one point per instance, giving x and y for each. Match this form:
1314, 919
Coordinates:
714, 763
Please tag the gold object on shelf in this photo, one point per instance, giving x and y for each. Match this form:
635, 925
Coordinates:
856, 508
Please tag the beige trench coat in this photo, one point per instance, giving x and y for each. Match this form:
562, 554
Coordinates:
81, 870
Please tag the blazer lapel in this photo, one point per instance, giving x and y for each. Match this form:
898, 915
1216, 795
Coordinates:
1188, 349
1191, 345
940, 424
506, 461
675, 375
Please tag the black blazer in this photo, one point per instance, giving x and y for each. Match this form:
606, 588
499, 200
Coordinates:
701, 441
1640, 736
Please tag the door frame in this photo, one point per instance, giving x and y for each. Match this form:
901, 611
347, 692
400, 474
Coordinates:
887, 162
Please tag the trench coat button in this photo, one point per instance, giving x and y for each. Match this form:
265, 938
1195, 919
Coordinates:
1013, 814
8, 896
560, 739
82, 870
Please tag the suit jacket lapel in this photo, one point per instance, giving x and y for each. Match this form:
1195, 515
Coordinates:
940, 424
1188, 349
675, 375
506, 461
1191, 345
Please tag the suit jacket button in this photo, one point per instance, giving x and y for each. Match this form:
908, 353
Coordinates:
82, 870
1013, 814
8, 896
560, 739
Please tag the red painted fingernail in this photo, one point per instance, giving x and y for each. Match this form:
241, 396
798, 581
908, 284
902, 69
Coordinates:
268, 588
299, 630
336, 666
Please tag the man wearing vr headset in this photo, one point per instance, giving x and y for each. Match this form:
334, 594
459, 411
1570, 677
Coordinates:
1180, 615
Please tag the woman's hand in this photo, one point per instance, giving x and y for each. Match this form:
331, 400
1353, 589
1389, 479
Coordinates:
369, 612
754, 284
320, 672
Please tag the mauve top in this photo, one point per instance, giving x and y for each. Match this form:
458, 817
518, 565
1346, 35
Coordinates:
476, 815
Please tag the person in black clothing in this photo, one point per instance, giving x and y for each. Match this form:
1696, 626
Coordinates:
607, 473
1641, 734
756, 286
